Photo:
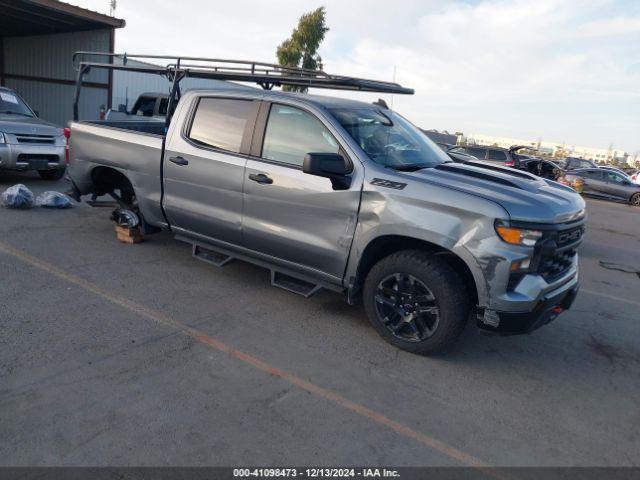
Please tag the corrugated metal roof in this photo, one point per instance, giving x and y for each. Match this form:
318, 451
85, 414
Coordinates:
39, 17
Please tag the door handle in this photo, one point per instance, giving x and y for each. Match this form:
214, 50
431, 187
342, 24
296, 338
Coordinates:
179, 160
261, 178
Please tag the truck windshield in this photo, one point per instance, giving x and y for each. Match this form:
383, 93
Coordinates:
389, 139
12, 104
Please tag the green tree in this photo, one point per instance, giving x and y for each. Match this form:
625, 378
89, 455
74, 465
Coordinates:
301, 49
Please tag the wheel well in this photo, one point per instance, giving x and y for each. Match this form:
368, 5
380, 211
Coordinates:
108, 180
386, 245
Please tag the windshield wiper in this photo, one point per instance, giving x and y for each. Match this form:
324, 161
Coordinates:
11, 112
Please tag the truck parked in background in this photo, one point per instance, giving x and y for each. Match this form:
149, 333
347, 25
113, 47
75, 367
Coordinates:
148, 106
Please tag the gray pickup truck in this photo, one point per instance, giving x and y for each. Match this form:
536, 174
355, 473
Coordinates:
27, 142
349, 196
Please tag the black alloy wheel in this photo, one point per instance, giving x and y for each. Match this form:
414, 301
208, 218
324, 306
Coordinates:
407, 307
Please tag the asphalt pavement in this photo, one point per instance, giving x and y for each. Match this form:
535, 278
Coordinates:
114, 354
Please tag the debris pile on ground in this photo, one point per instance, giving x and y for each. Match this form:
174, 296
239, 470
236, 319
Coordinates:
17, 196
52, 199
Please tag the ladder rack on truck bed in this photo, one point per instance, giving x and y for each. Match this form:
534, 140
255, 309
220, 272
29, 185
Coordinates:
267, 75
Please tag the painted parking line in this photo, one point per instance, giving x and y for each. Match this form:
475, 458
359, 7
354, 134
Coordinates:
610, 297
333, 397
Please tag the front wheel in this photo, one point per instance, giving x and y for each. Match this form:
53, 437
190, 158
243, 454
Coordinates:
52, 174
635, 200
416, 301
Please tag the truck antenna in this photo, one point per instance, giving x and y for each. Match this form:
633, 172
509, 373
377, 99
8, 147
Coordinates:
394, 81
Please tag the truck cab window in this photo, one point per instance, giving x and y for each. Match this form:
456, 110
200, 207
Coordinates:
292, 133
220, 122
162, 108
144, 106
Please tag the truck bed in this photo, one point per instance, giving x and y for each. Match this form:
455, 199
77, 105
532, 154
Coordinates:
131, 148
150, 127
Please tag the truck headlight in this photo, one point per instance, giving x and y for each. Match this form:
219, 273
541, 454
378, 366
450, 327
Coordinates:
517, 236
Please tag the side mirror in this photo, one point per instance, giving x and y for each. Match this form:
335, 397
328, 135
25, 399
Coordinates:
122, 108
329, 165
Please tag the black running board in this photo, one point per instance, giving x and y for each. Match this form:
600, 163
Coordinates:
288, 281
211, 256
293, 284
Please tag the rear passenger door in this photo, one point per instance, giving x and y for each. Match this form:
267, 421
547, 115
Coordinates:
204, 168
295, 218
594, 182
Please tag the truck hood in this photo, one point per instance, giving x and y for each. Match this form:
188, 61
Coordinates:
27, 125
525, 197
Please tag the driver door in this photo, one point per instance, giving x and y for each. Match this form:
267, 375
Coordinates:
293, 217
617, 186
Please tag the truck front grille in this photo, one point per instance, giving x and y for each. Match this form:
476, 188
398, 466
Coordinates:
556, 265
39, 139
553, 257
558, 251
570, 236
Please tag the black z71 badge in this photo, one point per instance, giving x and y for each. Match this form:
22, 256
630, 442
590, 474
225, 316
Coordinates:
381, 182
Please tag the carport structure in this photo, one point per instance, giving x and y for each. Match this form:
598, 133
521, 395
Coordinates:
37, 41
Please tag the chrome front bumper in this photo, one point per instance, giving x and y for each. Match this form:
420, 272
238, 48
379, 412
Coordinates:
31, 156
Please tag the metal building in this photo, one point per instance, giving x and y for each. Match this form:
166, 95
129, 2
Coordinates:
37, 41
128, 85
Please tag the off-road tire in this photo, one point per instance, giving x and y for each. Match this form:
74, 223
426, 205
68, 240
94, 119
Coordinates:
444, 283
56, 174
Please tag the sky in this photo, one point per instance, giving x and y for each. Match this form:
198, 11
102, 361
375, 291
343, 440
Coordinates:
566, 71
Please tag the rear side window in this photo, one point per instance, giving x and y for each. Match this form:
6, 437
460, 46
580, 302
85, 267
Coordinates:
292, 133
497, 155
220, 123
477, 152
593, 174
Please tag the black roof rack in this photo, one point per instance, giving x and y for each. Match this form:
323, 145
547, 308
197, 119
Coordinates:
266, 75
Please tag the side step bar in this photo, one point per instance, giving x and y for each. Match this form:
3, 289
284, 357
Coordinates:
292, 284
211, 256
280, 279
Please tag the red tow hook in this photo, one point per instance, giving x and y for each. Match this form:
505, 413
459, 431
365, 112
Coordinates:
557, 309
